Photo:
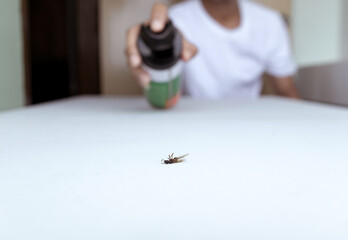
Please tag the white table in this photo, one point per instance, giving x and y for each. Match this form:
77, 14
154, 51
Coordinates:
90, 168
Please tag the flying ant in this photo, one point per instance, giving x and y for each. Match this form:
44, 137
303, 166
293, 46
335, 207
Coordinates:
172, 160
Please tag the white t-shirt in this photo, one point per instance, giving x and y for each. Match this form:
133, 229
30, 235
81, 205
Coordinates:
230, 63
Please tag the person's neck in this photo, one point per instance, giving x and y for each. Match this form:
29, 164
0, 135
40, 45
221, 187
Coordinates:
225, 12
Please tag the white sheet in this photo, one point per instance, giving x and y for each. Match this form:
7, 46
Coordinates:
90, 168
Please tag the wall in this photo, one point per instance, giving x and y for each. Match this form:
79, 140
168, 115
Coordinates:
322, 50
317, 28
345, 30
11, 60
284, 6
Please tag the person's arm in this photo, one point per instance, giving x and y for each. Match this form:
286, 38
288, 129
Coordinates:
157, 22
285, 87
280, 64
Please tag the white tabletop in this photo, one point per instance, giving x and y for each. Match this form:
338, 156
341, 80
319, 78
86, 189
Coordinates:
90, 168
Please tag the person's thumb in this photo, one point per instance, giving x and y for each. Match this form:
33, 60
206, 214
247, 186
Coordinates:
159, 17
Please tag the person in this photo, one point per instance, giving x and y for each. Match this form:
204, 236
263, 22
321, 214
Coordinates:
228, 46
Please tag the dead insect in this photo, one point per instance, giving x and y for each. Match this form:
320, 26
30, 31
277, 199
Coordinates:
172, 160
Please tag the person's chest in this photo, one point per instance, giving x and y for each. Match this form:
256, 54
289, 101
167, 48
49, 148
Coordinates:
242, 56
237, 59
223, 67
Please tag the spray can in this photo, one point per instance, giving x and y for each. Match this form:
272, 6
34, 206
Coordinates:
161, 54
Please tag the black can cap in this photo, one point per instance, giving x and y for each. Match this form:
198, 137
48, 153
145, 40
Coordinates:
160, 50
158, 41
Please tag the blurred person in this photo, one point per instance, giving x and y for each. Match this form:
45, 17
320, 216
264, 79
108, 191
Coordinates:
228, 45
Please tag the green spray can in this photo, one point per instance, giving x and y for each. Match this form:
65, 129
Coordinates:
161, 55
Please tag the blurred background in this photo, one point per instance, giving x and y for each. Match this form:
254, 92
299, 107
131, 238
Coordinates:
53, 49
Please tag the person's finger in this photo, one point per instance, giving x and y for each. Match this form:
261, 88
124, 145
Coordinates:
131, 48
142, 77
159, 17
188, 50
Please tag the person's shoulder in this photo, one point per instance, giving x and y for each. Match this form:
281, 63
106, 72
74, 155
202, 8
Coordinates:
183, 8
261, 12
183, 15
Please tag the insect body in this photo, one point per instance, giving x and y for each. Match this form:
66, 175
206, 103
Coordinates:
172, 160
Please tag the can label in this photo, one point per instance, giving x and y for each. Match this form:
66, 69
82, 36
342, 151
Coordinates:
165, 87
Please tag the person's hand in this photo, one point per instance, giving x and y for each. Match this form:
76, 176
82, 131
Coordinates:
157, 22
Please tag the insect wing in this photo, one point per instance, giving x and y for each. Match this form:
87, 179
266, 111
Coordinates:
179, 160
181, 157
